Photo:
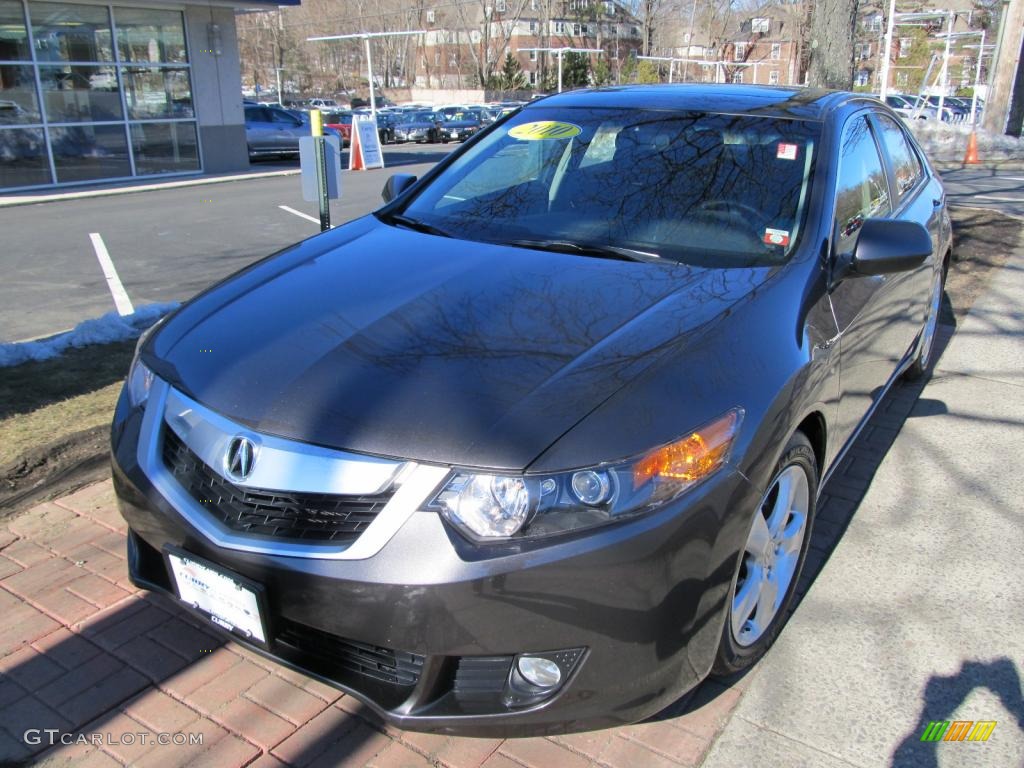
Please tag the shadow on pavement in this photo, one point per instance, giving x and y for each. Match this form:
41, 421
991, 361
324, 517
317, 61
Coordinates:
944, 694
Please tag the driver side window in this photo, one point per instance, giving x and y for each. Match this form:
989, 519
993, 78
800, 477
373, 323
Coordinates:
862, 191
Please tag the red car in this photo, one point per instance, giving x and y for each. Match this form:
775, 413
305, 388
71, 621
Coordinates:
342, 123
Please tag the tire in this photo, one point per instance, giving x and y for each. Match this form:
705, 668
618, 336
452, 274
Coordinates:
767, 569
925, 348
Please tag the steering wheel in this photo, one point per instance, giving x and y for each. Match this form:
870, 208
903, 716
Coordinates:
749, 212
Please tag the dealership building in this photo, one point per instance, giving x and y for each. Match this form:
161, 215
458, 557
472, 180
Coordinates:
93, 91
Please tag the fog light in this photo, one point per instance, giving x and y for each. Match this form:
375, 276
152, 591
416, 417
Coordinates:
542, 673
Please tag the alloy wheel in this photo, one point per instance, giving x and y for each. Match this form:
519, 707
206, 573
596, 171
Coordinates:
771, 555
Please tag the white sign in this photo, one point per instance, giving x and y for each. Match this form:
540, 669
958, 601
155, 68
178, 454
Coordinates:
307, 163
365, 151
229, 604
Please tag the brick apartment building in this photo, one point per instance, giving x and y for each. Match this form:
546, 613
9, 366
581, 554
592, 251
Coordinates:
459, 38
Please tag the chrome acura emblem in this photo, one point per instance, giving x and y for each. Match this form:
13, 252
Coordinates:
240, 458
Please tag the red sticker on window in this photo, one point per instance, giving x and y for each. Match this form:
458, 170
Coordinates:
776, 236
787, 151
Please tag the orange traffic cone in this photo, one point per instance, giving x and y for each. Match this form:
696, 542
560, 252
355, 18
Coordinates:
355, 151
971, 158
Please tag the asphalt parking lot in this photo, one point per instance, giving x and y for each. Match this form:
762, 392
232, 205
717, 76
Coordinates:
164, 245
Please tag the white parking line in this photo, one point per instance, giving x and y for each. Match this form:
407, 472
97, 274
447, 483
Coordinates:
121, 300
997, 199
299, 213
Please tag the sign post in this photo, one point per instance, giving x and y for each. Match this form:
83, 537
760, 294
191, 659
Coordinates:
316, 120
320, 161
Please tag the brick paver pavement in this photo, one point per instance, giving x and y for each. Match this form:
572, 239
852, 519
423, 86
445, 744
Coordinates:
84, 652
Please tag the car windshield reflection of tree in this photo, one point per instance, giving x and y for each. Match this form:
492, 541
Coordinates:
706, 189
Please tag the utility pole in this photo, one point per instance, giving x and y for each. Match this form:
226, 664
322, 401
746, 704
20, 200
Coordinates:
1006, 77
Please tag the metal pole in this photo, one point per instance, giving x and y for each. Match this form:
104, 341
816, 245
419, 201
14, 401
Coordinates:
671, 68
689, 40
977, 79
883, 90
277, 71
317, 129
945, 64
369, 72
559, 54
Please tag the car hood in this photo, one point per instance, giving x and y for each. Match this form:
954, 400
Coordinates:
382, 340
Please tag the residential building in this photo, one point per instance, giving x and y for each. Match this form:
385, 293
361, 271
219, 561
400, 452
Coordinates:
462, 37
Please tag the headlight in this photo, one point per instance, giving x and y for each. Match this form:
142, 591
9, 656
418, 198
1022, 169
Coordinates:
140, 380
493, 507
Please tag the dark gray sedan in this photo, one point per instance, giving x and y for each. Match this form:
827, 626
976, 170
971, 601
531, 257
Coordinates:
537, 446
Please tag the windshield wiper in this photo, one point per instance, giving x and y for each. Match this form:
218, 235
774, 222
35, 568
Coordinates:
416, 224
587, 249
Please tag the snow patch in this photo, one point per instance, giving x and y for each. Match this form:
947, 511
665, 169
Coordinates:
945, 141
100, 330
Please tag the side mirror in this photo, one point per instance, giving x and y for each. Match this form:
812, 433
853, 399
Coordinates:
884, 247
396, 185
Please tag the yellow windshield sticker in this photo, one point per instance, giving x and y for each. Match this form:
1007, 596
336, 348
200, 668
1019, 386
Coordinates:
544, 129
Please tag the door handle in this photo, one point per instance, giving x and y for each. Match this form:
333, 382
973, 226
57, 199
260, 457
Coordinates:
937, 201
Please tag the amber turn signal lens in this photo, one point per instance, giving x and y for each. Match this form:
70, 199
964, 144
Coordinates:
691, 459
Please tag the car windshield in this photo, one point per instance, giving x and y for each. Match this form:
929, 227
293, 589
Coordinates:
705, 189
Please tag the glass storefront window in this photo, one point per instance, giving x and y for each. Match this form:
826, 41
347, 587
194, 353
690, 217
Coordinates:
79, 93
13, 38
23, 161
66, 32
154, 92
113, 105
87, 152
17, 96
150, 36
165, 147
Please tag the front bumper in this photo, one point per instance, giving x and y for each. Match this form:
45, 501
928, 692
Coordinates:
644, 599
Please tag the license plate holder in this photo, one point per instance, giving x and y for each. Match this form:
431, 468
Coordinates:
230, 601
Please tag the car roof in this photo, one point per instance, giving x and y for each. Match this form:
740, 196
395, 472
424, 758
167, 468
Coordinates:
774, 101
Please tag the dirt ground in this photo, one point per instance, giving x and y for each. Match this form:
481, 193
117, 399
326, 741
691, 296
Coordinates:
54, 415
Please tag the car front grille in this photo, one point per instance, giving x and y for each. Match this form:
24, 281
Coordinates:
310, 517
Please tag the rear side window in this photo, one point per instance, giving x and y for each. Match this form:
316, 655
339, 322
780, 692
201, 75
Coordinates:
862, 192
906, 165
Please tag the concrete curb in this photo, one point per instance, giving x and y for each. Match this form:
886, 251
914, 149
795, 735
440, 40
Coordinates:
196, 181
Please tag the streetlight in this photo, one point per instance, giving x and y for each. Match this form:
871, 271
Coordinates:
559, 53
365, 36
278, 71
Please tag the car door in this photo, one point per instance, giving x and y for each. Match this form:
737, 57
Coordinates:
288, 129
918, 198
260, 133
867, 307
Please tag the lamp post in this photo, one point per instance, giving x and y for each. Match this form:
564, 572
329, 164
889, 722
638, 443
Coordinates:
365, 37
278, 71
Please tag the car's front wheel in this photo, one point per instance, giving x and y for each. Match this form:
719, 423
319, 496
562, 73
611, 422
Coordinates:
772, 558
